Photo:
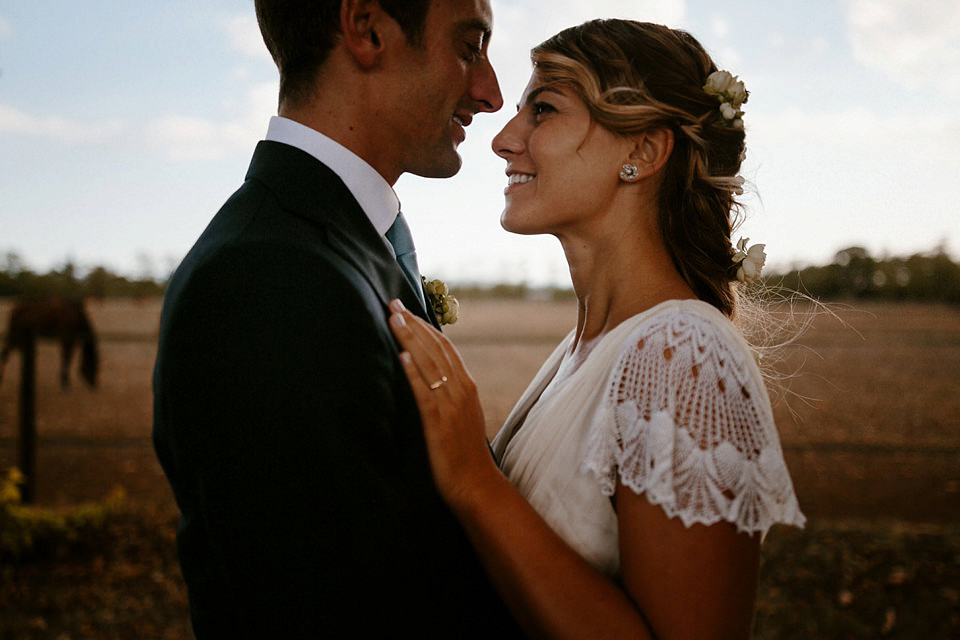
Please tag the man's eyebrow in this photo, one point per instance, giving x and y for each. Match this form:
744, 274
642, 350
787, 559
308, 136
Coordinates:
476, 24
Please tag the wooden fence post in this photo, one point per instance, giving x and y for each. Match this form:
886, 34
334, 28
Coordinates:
27, 440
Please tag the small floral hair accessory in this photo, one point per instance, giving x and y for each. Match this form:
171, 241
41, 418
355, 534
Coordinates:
445, 307
748, 261
733, 183
731, 94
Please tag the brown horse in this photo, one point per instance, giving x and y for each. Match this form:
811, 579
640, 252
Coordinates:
63, 320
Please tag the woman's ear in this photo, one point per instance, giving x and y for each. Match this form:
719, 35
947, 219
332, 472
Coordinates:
361, 22
651, 151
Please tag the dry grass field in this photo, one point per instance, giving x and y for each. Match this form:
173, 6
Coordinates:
871, 432
869, 415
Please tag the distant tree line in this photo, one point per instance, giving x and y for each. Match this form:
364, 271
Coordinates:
16, 279
853, 274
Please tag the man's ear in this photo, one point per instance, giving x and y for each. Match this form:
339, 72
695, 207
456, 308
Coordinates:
651, 151
361, 22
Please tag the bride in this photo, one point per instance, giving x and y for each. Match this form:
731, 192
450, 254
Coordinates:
641, 468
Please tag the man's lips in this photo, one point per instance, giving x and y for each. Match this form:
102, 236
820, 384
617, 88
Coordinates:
461, 121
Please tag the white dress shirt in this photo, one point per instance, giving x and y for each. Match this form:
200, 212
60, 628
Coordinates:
374, 194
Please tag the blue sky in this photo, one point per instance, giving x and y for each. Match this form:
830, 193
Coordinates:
124, 125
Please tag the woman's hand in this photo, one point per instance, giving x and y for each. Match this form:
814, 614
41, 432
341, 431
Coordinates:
449, 405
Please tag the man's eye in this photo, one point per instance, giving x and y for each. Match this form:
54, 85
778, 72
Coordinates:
472, 52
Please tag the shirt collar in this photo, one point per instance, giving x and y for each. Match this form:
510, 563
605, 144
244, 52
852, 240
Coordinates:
374, 194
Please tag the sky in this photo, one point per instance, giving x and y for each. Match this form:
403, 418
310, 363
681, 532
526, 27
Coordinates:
125, 125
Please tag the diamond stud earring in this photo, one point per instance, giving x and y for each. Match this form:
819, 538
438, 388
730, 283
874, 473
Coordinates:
629, 172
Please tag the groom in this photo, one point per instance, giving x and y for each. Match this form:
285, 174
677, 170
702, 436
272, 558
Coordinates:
283, 419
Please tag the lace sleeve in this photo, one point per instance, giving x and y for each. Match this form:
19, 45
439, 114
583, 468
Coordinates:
687, 421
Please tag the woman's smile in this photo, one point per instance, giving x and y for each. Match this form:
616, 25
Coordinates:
515, 180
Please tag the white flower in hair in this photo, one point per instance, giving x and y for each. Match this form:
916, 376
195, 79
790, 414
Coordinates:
718, 82
730, 92
733, 183
726, 85
749, 261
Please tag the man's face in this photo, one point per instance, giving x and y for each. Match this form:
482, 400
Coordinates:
441, 86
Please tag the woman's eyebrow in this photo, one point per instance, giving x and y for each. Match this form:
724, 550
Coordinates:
536, 93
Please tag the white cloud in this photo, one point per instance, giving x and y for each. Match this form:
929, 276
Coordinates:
186, 137
519, 25
532, 23
193, 138
244, 36
916, 44
18, 122
179, 136
720, 27
5, 28
727, 57
856, 176
672, 13
861, 128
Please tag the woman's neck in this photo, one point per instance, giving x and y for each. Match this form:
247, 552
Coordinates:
617, 275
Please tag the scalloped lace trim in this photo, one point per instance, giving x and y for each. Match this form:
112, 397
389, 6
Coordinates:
686, 421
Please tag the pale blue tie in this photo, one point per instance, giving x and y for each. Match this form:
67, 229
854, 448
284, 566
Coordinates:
399, 236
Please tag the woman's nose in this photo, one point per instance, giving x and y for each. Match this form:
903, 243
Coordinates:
509, 141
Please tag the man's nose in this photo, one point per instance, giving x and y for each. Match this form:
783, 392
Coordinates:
486, 88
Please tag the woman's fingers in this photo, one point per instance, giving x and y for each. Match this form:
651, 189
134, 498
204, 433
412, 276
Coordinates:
421, 389
433, 354
425, 353
453, 422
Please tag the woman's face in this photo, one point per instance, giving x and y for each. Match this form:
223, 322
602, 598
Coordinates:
562, 168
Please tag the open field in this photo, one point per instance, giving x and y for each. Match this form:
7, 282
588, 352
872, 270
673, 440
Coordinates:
870, 417
871, 435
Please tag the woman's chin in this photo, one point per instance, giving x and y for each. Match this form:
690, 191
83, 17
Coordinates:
521, 230
516, 224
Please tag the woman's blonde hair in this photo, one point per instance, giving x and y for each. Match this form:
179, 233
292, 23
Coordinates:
635, 77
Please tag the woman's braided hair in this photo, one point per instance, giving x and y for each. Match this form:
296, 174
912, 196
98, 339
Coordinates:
635, 77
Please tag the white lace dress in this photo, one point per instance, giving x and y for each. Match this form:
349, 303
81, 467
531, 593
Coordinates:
671, 403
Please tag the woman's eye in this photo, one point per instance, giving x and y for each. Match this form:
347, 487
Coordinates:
541, 108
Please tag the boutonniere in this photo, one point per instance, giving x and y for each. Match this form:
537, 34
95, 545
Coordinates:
444, 306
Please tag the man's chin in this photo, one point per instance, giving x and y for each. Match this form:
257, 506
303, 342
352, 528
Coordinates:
445, 165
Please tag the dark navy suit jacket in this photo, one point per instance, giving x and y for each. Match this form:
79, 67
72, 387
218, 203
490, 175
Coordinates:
289, 434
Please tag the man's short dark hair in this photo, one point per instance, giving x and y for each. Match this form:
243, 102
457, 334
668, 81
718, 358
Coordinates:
300, 35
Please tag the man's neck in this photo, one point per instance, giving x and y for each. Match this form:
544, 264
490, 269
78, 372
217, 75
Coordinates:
342, 114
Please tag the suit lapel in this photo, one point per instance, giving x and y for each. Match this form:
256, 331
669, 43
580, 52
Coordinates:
311, 190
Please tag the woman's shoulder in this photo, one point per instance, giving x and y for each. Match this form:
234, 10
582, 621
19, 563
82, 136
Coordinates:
675, 323
683, 310
683, 352
685, 408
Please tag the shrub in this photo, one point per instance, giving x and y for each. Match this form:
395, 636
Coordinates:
28, 530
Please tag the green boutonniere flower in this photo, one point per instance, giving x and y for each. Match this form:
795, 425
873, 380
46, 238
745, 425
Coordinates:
444, 306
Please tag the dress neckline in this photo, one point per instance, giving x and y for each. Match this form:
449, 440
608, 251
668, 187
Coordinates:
547, 382
629, 322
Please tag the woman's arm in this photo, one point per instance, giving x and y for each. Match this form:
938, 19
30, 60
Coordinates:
688, 583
